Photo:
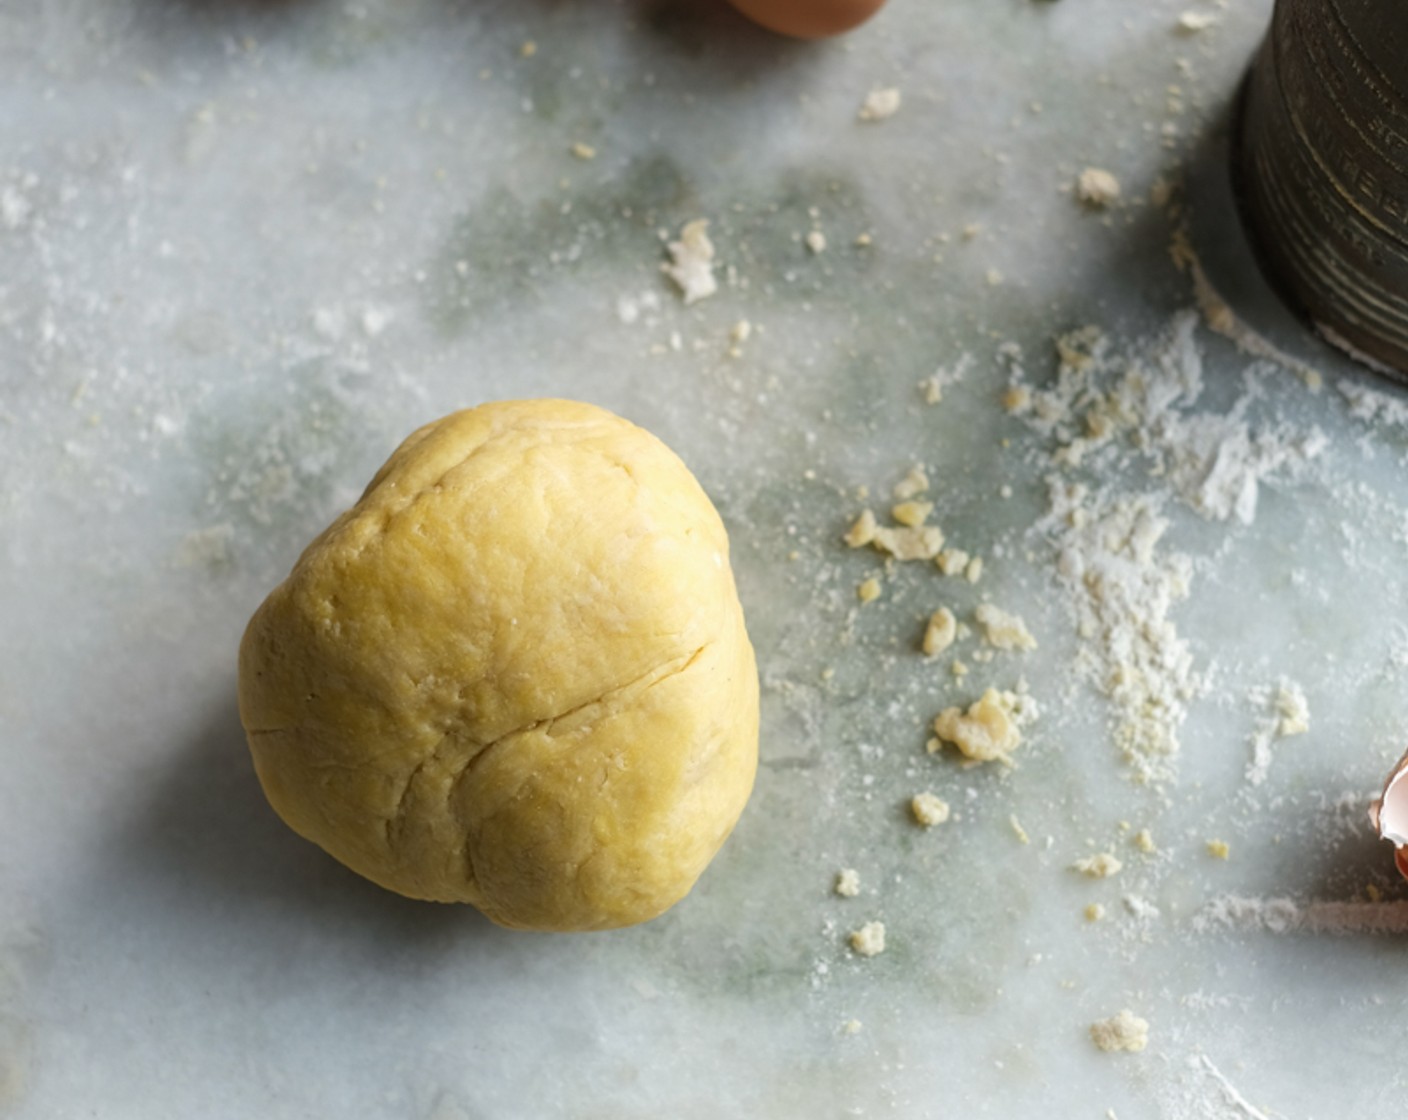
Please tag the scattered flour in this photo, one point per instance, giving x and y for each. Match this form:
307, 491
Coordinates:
1121, 592
15, 208
1220, 317
1200, 1091
1103, 408
1285, 915
1287, 713
631, 308
206, 548
932, 387
1373, 406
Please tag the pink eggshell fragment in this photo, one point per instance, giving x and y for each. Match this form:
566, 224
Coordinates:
1389, 813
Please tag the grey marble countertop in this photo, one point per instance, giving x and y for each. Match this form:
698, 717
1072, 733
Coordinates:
246, 246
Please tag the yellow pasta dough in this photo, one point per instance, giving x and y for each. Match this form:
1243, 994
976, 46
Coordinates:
514, 674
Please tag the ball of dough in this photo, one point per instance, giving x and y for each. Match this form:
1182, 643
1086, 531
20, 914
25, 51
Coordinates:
514, 674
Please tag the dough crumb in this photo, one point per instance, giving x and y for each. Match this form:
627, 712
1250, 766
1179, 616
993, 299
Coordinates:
1018, 830
920, 542
1016, 399
847, 882
869, 590
1097, 188
1190, 23
692, 262
1002, 630
206, 548
987, 731
952, 561
974, 571
1219, 849
912, 484
863, 531
880, 105
1292, 709
912, 514
528, 49
1144, 841
940, 632
851, 1026
869, 940
583, 152
1125, 1031
738, 334
928, 809
1094, 912
1100, 866
816, 242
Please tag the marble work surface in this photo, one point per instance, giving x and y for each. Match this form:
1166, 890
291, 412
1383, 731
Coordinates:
246, 245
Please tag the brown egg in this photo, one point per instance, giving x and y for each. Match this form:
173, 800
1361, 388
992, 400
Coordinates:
809, 19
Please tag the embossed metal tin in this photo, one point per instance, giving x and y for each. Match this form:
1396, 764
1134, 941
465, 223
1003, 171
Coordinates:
1321, 165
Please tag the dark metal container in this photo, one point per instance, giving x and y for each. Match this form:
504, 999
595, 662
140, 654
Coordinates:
1321, 168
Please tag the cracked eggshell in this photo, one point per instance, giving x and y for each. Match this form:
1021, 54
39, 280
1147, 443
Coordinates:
809, 19
514, 674
1389, 813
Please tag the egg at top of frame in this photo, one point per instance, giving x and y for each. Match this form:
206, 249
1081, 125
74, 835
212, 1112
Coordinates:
809, 19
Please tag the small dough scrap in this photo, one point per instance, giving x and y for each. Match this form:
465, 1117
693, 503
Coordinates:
921, 542
913, 484
1125, 1031
928, 809
1097, 188
1100, 866
847, 882
691, 264
880, 105
952, 561
986, 732
514, 674
1003, 630
869, 940
1292, 710
940, 633
862, 532
912, 513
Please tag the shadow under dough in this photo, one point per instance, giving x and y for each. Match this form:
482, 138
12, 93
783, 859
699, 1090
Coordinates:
207, 830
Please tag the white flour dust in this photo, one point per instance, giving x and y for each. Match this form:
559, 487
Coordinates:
1109, 409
